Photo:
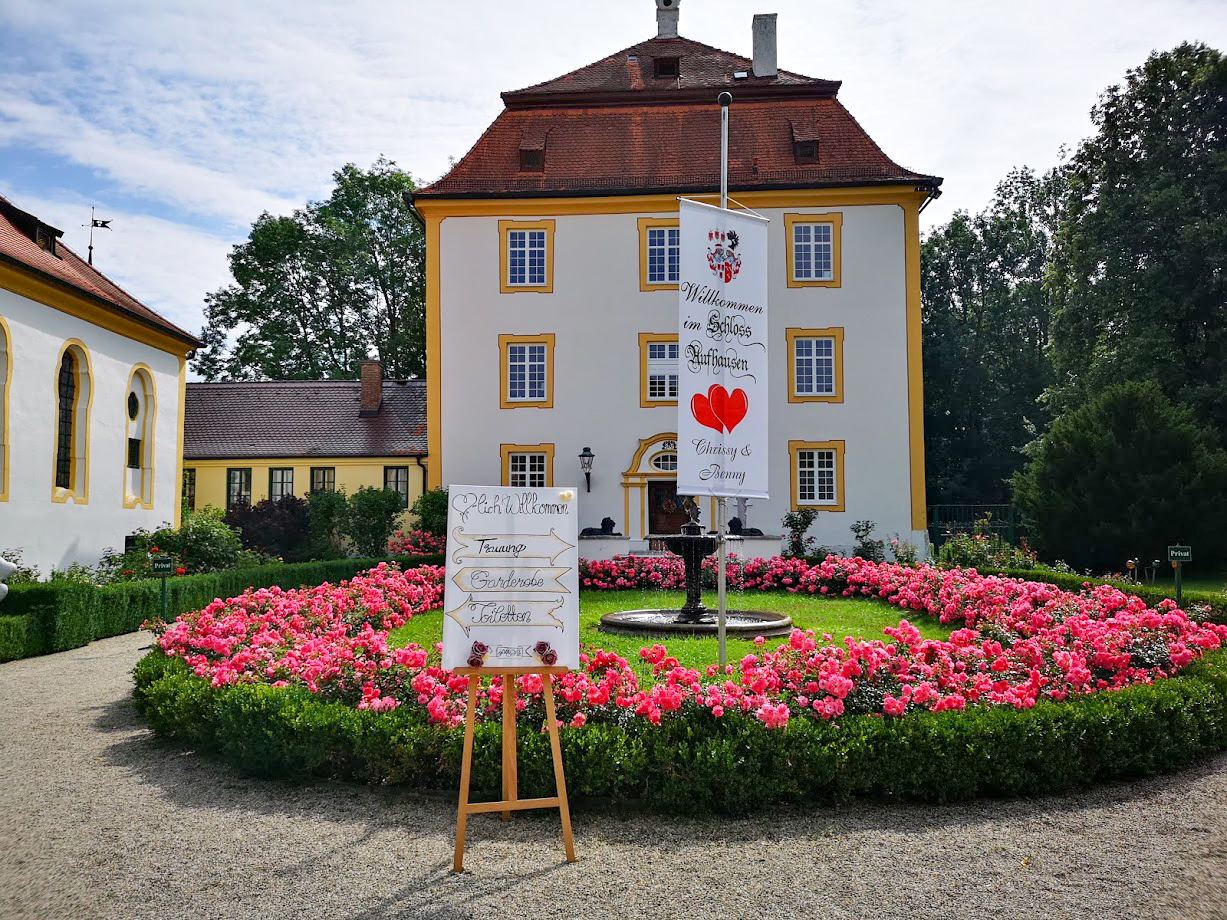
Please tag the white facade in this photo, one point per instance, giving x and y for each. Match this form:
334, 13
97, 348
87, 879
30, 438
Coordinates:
596, 311
53, 526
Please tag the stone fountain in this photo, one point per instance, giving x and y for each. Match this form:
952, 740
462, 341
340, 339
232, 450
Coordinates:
694, 619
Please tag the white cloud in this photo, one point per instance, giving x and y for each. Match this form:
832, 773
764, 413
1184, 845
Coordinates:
169, 267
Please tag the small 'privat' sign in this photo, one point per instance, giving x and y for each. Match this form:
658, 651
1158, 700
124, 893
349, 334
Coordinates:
163, 564
1180, 554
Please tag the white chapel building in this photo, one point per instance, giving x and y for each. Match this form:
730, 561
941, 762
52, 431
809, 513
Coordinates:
91, 403
552, 303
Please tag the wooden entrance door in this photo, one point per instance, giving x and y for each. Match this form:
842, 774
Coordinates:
665, 511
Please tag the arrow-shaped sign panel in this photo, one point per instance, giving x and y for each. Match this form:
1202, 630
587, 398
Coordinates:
516, 613
506, 579
509, 546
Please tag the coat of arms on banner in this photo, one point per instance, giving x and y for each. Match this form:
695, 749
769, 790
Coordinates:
722, 254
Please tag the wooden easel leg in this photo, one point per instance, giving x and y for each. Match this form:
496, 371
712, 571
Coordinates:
466, 766
560, 780
511, 782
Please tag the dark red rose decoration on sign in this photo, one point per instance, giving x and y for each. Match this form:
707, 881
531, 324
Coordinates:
546, 653
477, 654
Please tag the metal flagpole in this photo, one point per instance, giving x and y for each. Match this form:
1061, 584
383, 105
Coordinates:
92, 224
725, 100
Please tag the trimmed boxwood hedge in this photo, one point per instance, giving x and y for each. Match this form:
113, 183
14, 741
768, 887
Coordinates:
57, 615
696, 763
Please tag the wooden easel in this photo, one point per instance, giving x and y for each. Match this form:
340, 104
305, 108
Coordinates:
511, 797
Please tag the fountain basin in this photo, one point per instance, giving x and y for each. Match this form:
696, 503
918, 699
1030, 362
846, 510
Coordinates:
739, 624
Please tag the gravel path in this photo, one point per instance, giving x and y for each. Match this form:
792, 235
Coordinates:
100, 819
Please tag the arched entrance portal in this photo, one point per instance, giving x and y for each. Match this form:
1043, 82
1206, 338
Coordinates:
651, 503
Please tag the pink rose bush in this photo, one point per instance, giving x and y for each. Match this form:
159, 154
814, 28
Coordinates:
416, 543
1017, 642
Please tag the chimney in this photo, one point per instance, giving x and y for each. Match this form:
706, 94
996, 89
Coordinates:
666, 18
370, 396
764, 45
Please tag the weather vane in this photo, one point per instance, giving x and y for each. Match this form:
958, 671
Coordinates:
95, 222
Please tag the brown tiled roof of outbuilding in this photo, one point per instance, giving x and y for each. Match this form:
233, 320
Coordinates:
613, 128
66, 268
302, 418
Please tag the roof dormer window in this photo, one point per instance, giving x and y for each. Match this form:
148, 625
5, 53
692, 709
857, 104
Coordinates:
532, 159
44, 238
805, 151
666, 67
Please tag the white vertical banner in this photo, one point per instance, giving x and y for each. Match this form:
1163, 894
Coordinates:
722, 360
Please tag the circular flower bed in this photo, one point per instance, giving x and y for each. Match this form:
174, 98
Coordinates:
1020, 646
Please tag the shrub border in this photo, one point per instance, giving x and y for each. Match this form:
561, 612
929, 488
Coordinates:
698, 764
56, 615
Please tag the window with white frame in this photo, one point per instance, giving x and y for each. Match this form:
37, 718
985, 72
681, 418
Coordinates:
813, 252
666, 462
526, 254
662, 370
664, 254
817, 482
526, 372
526, 470
814, 366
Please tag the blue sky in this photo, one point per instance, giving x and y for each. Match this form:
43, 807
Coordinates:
182, 122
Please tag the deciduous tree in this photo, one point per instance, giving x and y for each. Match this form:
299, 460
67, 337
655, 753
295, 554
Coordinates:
1139, 268
317, 292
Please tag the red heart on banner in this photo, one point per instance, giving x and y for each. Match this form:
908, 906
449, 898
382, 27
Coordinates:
700, 408
720, 409
730, 408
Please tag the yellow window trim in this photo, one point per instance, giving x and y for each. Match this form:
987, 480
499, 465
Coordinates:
794, 447
506, 450
646, 224
80, 428
6, 417
144, 373
834, 332
646, 339
504, 278
836, 220
504, 384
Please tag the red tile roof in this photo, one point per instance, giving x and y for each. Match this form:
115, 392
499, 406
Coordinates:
302, 418
66, 268
613, 128
632, 70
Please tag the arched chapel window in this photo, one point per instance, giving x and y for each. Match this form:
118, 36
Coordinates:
72, 396
67, 391
139, 410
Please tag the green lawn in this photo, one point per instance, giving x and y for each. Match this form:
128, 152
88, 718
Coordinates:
839, 617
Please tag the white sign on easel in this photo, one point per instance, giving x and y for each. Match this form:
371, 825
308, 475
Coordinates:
511, 598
